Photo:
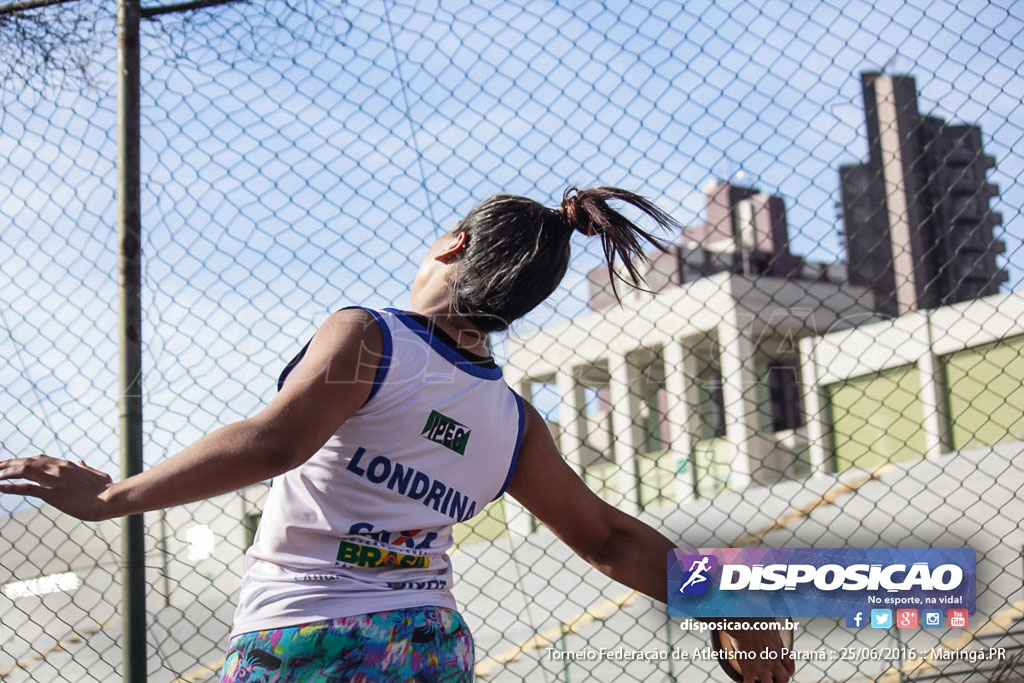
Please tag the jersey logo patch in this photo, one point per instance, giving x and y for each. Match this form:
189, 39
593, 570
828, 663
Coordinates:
446, 431
369, 556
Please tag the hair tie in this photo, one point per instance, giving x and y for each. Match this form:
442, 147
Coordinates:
570, 213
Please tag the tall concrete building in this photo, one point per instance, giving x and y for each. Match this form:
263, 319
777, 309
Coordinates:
918, 226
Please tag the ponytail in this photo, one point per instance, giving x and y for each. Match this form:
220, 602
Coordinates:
588, 213
518, 250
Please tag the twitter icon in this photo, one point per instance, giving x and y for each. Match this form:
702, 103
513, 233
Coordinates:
881, 618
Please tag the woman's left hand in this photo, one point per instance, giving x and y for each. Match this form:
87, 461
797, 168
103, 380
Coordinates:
74, 488
776, 670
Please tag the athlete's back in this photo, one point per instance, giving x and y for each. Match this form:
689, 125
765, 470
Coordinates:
365, 523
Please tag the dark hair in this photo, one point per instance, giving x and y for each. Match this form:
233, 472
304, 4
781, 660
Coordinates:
518, 250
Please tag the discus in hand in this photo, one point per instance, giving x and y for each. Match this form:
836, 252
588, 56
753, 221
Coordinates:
733, 667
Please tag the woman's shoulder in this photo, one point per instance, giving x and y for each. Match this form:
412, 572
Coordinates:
349, 340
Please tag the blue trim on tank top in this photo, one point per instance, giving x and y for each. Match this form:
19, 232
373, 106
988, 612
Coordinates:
519, 443
445, 351
291, 365
382, 369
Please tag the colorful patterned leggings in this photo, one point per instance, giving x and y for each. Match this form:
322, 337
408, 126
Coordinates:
421, 644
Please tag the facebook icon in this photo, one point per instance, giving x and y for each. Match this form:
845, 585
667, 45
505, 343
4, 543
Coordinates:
855, 618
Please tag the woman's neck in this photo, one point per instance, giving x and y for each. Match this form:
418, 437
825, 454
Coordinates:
467, 335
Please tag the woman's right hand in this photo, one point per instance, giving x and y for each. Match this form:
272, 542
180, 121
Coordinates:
73, 488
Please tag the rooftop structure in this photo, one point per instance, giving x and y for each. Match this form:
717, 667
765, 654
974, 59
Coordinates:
745, 232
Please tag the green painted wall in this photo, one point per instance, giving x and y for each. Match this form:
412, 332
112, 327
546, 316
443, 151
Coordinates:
986, 393
487, 526
877, 419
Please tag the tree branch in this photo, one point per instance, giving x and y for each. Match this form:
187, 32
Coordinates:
147, 12
150, 12
25, 5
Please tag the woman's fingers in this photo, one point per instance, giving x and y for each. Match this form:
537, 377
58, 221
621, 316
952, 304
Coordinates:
81, 463
20, 468
761, 670
753, 673
26, 490
779, 671
41, 469
767, 670
789, 665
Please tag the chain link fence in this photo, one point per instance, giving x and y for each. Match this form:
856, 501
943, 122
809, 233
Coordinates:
832, 353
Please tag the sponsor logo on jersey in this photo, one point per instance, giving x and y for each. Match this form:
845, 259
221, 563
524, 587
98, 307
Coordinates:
370, 556
312, 576
414, 538
446, 431
433, 584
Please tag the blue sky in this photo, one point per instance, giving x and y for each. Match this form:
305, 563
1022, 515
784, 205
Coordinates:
294, 165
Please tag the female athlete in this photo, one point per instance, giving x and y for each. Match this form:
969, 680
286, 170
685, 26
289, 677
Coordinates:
389, 427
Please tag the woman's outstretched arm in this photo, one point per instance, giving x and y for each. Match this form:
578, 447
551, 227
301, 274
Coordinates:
617, 544
326, 388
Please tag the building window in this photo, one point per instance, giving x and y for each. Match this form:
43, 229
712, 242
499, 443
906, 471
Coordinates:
712, 404
784, 392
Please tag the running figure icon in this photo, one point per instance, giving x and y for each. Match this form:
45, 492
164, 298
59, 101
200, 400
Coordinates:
698, 570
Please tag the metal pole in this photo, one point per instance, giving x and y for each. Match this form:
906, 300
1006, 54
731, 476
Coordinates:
899, 652
164, 560
129, 228
668, 643
561, 646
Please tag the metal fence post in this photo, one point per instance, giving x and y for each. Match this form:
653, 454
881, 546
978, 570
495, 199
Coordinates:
133, 577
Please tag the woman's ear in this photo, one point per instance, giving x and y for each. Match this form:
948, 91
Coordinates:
453, 250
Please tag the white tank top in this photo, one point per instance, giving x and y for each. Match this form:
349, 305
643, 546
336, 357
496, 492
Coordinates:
364, 525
